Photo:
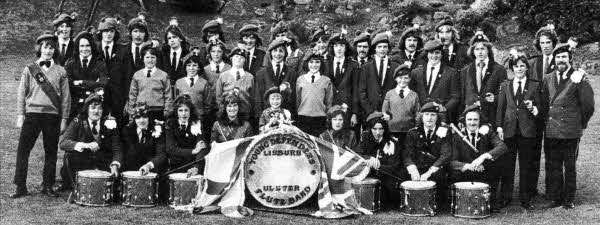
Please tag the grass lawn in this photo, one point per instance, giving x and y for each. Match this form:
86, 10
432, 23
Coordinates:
36, 209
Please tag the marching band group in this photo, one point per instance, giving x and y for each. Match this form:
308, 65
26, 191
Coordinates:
155, 107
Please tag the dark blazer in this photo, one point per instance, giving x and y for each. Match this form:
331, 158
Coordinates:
536, 68
460, 56
511, 116
463, 154
342, 85
150, 149
181, 143
164, 63
494, 76
426, 153
95, 76
372, 92
570, 106
117, 85
70, 51
357, 109
130, 66
265, 79
418, 59
368, 148
446, 89
79, 130
257, 61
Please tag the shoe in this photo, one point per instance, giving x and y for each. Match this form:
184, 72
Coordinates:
63, 188
569, 205
553, 204
49, 192
19, 192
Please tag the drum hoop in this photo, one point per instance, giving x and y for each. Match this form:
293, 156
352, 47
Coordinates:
418, 188
185, 178
94, 173
471, 217
418, 215
130, 175
139, 206
483, 186
93, 205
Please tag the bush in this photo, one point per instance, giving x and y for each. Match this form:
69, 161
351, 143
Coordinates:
406, 10
467, 21
579, 18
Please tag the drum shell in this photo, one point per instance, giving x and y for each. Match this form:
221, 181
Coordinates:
473, 203
368, 194
93, 191
419, 201
182, 191
139, 191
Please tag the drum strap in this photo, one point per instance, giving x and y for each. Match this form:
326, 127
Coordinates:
221, 131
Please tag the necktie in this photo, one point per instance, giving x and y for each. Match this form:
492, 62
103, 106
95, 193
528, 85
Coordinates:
479, 78
473, 142
338, 70
401, 93
142, 136
429, 132
362, 61
84, 63
312, 78
149, 73
94, 131
63, 49
446, 52
546, 64
137, 54
381, 68
182, 127
217, 70
174, 61
430, 79
562, 80
191, 81
410, 57
106, 54
278, 70
237, 75
45, 63
519, 93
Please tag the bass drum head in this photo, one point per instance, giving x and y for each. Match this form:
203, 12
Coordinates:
93, 173
282, 170
417, 185
138, 174
470, 185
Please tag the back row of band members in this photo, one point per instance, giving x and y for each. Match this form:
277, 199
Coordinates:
359, 86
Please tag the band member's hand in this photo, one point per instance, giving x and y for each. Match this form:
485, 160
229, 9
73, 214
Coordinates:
93, 146
479, 160
425, 176
408, 63
20, 119
114, 170
192, 172
489, 97
386, 117
528, 104
145, 169
374, 163
77, 82
353, 120
500, 132
199, 146
466, 167
479, 168
414, 172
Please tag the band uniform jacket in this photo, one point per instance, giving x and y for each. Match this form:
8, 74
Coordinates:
180, 143
423, 152
400, 57
164, 63
446, 88
460, 57
512, 116
342, 84
223, 131
79, 130
372, 91
344, 138
369, 147
138, 152
257, 61
130, 66
265, 78
357, 109
95, 76
117, 87
493, 77
570, 106
463, 154
69, 52
536, 65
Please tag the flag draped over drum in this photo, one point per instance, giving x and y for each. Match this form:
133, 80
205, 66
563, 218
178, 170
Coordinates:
231, 164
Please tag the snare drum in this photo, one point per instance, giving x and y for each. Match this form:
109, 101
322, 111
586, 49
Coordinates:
183, 189
94, 188
138, 190
419, 198
470, 200
368, 193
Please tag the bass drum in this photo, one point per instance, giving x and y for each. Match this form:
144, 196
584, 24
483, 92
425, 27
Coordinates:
282, 169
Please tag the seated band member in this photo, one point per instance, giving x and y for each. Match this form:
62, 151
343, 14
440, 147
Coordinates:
91, 142
144, 143
428, 150
384, 157
275, 115
336, 134
479, 165
229, 124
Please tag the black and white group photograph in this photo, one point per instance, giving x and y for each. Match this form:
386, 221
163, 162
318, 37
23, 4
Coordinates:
299, 112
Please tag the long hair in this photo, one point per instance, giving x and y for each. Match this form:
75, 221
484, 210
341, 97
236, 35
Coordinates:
386, 128
455, 34
184, 100
549, 35
488, 45
314, 56
115, 39
52, 42
513, 62
226, 99
217, 30
402, 42
90, 39
349, 51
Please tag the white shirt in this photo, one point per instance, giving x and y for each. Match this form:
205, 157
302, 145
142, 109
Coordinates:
146, 71
546, 60
92, 126
139, 133
405, 90
110, 47
133, 45
385, 63
410, 55
486, 63
89, 58
274, 64
189, 81
335, 63
436, 71
450, 50
178, 53
250, 56
516, 84
427, 130
61, 42
213, 66
308, 76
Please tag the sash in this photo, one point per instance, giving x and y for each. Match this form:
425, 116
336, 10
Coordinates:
42, 81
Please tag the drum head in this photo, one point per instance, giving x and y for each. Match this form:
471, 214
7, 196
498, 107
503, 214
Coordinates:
368, 180
470, 185
282, 170
183, 176
93, 173
138, 174
417, 185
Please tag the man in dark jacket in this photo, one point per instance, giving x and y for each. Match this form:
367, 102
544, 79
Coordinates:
251, 41
410, 46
